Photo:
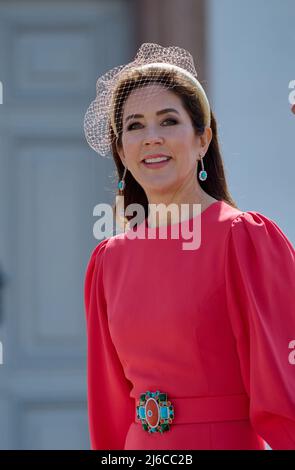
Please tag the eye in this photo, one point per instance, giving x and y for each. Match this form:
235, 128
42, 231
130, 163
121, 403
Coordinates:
130, 127
171, 120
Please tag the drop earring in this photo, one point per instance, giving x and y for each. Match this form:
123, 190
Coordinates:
203, 173
122, 184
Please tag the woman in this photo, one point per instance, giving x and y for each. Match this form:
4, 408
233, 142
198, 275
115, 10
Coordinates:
187, 348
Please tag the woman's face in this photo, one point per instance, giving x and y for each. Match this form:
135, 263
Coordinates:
154, 131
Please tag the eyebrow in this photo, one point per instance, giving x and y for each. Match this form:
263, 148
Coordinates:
158, 113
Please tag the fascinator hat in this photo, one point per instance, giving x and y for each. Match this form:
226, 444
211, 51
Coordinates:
101, 122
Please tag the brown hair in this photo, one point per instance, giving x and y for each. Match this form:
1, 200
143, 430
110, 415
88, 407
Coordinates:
215, 185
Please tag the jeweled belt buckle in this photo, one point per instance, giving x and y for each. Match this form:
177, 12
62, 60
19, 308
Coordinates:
155, 411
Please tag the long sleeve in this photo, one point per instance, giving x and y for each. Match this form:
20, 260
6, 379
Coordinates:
260, 290
110, 407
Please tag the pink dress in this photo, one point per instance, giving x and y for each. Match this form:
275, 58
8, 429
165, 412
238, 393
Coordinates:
211, 327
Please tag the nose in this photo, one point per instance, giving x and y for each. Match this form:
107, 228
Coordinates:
152, 138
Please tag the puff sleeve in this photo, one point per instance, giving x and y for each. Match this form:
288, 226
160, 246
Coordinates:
110, 407
260, 291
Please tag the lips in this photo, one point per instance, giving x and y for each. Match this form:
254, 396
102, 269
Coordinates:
155, 164
156, 155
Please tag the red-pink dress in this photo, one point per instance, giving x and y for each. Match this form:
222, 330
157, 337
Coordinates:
211, 327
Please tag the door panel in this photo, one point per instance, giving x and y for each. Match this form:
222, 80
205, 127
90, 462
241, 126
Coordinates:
51, 54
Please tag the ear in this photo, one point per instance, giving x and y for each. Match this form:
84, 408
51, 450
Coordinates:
206, 138
121, 153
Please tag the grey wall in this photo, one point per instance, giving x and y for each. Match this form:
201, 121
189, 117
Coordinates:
251, 62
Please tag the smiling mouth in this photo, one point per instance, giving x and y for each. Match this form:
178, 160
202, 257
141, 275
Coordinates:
153, 161
157, 164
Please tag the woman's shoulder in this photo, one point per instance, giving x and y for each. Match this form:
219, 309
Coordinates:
248, 218
255, 230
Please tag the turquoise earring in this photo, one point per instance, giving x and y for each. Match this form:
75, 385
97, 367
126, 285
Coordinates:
202, 174
122, 184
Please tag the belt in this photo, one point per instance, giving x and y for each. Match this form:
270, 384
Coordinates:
156, 412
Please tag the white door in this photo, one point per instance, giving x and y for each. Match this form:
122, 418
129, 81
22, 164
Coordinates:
50, 56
